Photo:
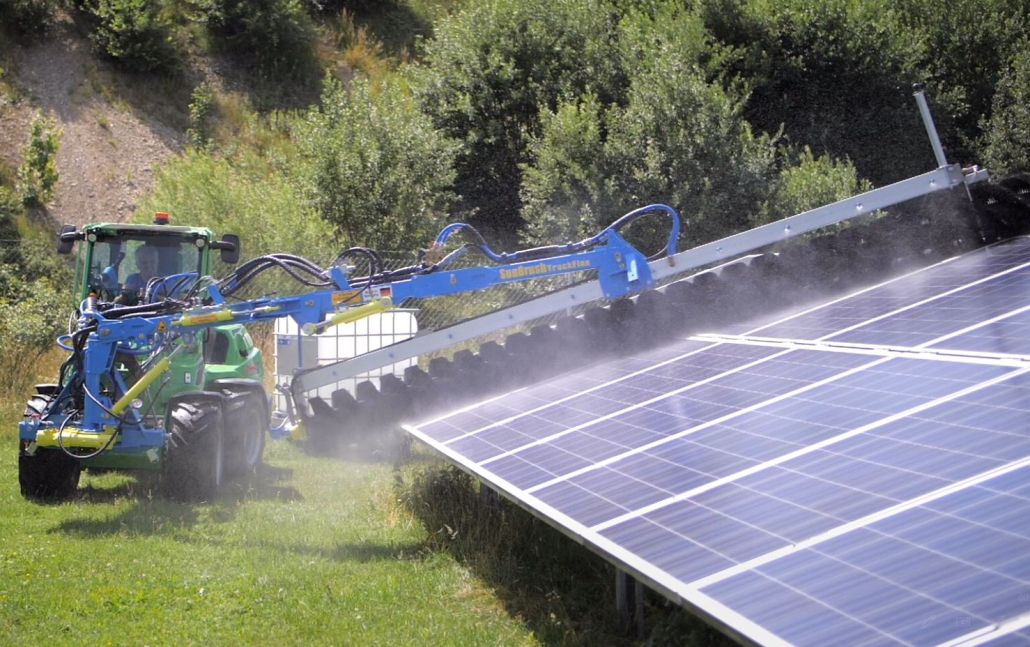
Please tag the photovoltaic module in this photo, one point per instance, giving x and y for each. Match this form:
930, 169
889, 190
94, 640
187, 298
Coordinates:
854, 473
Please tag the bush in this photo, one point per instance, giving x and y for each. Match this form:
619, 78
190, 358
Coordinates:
276, 37
487, 74
966, 48
132, 33
374, 168
261, 207
361, 7
836, 75
1008, 130
29, 324
809, 183
27, 18
679, 139
202, 103
37, 175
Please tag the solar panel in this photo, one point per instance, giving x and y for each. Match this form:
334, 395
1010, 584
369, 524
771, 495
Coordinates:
858, 472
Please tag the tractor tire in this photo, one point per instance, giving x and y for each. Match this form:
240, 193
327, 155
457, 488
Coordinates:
46, 475
246, 422
194, 451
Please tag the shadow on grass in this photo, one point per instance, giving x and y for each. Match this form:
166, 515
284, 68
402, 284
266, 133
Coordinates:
342, 552
150, 513
561, 590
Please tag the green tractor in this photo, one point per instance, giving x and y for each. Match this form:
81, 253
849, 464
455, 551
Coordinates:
203, 414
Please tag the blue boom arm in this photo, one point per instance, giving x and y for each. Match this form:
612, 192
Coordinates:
155, 331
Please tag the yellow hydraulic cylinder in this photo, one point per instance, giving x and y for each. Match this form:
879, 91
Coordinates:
88, 440
188, 319
148, 378
350, 314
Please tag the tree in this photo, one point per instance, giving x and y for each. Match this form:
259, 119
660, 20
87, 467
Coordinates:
373, 166
1008, 130
679, 139
967, 46
487, 74
37, 175
835, 75
810, 182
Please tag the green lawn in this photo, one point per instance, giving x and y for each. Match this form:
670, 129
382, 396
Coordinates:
313, 551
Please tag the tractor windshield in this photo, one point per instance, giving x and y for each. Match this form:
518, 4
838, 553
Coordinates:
121, 268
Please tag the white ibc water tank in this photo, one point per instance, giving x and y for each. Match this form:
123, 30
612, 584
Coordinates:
294, 350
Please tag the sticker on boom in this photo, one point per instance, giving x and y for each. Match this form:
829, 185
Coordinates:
346, 296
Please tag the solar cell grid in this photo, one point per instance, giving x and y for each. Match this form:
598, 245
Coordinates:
992, 278
923, 576
809, 496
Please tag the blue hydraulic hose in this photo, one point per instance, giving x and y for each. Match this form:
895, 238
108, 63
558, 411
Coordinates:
670, 247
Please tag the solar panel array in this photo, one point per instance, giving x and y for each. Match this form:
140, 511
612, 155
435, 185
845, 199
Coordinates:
855, 473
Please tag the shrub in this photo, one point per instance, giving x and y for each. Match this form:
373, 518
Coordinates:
29, 324
202, 105
276, 37
679, 139
808, 183
1008, 130
27, 18
487, 74
356, 6
132, 33
37, 175
373, 166
966, 49
262, 207
834, 74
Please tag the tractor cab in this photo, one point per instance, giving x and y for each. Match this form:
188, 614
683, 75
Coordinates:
131, 264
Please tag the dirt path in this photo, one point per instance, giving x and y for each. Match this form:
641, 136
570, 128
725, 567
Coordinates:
107, 153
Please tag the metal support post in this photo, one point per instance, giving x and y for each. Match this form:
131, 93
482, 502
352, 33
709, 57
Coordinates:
629, 603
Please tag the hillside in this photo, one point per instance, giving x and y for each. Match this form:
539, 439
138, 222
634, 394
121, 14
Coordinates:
108, 151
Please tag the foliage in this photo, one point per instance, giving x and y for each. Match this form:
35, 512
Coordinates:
488, 72
679, 139
33, 293
834, 74
199, 189
1008, 130
201, 106
27, 18
808, 183
356, 6
30, 321
967, 45
133, 33
274, 39
37, 175
373, 167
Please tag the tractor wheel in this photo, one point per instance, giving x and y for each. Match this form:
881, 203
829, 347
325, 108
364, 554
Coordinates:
193, 449
46, 474
246, 421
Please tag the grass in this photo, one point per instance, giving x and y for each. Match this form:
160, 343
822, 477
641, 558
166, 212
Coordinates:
311, 551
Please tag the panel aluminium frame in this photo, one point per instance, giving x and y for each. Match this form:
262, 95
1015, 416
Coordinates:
693, 598
946, 177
